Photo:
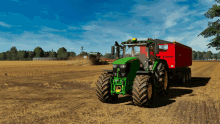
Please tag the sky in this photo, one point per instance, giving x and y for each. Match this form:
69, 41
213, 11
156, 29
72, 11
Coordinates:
97, 24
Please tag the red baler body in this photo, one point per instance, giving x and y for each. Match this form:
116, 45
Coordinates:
177, 55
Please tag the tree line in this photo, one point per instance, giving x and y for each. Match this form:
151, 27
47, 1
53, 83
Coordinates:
14, 54
197, 55
62, 54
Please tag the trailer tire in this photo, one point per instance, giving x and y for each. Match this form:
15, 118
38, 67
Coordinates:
184, 78
162, 79
190, 74
103, 89
187, 76
143, 90
174, 76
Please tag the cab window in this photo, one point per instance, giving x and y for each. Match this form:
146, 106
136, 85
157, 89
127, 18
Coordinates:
163, 47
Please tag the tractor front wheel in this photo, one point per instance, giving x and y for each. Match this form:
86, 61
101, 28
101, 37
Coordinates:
103, 89
143, 90
162, 79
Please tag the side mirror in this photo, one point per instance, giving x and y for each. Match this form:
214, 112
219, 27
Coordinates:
113, 50
156, 48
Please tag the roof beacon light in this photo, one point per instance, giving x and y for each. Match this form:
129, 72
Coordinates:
134, 39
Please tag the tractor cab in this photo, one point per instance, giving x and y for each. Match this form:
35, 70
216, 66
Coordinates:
134, 48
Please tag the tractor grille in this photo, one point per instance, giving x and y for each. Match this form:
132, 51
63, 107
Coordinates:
123, 71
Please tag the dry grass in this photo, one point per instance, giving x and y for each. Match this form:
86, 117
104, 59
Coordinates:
55, 92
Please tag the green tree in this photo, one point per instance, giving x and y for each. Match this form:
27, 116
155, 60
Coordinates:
209, 54
71, 54
205, 56
213, 28
46, 54
203, 53
38, 52
22, 55
52, 53
199, 55
8, 55
214, 56
82, 50
13, 51
218, 55
30, 55
194, 55
2, 56
62, 53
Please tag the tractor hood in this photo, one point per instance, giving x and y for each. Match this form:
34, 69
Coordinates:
124, 60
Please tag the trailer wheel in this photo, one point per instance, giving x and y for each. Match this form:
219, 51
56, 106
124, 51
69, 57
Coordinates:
163, 81
174, 76
103, 89
187, 76
183, 78
143, 90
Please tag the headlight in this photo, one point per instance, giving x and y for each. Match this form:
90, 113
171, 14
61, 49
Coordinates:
114, 66
122, 66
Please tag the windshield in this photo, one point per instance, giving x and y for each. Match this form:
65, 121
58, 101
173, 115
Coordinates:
129, 53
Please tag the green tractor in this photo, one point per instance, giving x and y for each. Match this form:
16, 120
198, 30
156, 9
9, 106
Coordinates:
143, 76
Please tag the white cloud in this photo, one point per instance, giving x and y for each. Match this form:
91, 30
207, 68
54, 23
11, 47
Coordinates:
73, 28
47, 29
4, 24
173, 17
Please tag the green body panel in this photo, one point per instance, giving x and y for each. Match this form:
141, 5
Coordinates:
125, 82
154, 69
124, 60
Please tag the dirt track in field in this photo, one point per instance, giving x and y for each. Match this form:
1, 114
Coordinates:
66, 94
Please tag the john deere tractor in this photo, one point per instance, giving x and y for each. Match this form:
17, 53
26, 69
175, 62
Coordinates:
144, 76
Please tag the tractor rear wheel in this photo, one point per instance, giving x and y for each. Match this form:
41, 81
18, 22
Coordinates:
143, 90
103, 89
162, 79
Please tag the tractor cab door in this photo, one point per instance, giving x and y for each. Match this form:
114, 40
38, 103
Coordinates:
152, 56
143, 61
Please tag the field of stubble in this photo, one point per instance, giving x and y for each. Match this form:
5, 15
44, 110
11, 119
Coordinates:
63, 92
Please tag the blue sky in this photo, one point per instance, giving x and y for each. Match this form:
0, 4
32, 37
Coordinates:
97, 24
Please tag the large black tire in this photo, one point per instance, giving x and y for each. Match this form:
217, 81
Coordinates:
183, 81
162, 79
174, 76
189, 74
103, 89
143, 90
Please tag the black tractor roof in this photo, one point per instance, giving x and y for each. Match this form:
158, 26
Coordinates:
144, 42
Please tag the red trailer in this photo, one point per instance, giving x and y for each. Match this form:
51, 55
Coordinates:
178, 58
